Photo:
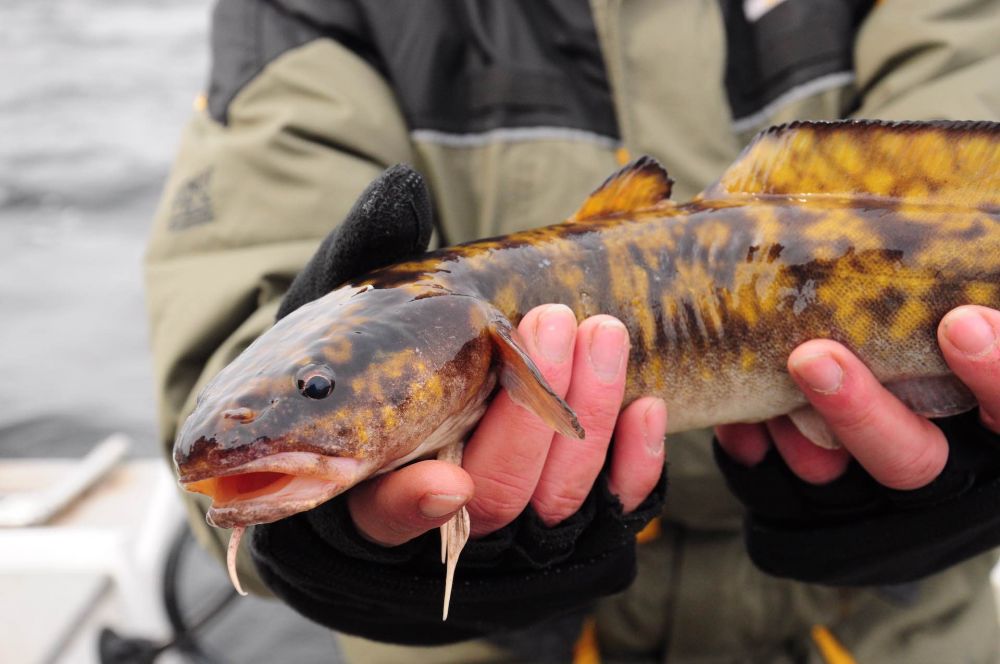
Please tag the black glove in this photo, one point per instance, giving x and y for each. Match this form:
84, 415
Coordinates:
855, 531
392, 220
322, 567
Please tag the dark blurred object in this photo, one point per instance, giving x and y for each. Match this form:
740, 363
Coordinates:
117, 649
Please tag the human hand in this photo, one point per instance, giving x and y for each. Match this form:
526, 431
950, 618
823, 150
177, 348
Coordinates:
514, 459
897, 447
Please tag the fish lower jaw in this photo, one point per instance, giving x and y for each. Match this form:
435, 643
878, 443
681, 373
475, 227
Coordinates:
275, 487
270, 508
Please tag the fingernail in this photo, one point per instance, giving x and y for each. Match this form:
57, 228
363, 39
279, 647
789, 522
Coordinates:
607, 349
820, 372
655, 420
554, 332
437, 505
969, 332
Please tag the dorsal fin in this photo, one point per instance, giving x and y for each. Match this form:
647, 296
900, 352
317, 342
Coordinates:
640, 186
928, 163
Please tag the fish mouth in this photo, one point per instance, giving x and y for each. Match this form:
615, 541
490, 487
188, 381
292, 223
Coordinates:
274, 487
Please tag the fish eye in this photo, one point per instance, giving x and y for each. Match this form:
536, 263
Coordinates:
315, 383
316, 387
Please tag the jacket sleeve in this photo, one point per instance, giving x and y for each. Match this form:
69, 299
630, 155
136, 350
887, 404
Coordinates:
293, 128
927, 60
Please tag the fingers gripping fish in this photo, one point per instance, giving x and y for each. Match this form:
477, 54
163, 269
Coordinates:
862, 232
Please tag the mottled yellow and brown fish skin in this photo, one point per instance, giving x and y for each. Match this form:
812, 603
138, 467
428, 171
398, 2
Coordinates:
866, 233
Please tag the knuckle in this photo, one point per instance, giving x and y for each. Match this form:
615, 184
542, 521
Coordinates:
598, 416
500, 498
555, 507
397, 530
558, 374
855, 418
496, 510
383, 529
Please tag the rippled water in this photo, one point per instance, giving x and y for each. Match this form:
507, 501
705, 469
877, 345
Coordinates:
94, 95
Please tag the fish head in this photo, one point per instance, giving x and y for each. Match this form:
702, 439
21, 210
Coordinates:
356, 383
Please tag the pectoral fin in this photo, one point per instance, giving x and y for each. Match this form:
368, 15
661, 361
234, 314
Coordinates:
525, 384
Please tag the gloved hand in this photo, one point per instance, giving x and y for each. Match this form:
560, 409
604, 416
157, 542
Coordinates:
327, 564
855, 531
392, 220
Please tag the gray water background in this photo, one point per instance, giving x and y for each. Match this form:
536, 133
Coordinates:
93, 97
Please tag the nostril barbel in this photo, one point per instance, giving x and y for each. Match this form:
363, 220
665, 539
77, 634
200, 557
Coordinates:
242, 415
